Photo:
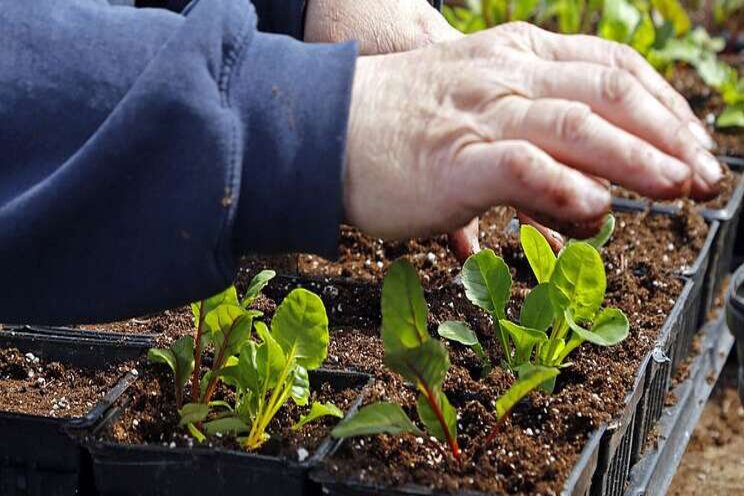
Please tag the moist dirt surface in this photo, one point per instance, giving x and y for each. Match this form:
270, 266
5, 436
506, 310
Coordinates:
535, 449
714, 461
151, 418
32, 386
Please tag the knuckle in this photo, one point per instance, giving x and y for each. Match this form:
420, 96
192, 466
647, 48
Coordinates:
626, 56
616, 85
573, 123
517, 159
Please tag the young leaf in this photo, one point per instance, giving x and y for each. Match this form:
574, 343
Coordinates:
538, 253
318, 410
604, 234
225, 425
403, 308
458, 332
257, 284
375, 419
525, 339
227, 297
610, 327
530, 377
430, 418
300, 386
193, 413
180, 358
270, 359
537, 311
300, 326
425, 365
578, 281
196, 433
732, 116
233, 337
487, 282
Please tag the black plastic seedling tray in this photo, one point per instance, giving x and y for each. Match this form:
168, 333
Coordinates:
735, 320
42, 455
654, 472
722, 248
121, 469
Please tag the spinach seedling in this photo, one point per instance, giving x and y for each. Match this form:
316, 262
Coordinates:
411, 352
265, 371
560, 313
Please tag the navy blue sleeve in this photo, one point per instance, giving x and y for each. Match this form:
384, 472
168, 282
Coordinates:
274, 16
143, 150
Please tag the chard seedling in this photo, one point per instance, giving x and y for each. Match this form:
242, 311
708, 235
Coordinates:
417, 357
266, 370
459, 332
560, 313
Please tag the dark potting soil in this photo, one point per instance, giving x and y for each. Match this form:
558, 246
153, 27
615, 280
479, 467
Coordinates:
727, 186
367, 259
538, 445
151, 418
50, 389
707, 105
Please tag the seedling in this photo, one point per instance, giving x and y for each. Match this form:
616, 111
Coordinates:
424, 361
459, 332
266, 370
560, 313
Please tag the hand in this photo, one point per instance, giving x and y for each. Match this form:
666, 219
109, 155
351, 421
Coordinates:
514, 115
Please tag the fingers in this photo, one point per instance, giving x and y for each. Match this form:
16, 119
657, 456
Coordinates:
557, 47
520, 174
573, 134
619, 98
464, 242
554, 239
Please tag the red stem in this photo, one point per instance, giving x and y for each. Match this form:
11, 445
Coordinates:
451, 441
496, 428
218, 365
197, 356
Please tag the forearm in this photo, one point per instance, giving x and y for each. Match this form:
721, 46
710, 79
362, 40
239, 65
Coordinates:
144, 150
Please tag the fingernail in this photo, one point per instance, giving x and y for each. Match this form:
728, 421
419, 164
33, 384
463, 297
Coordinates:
675, 171
708, 167
701, 135
597, 199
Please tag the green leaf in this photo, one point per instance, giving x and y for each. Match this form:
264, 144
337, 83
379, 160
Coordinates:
180, 358
270, 359
578, 281
732, 116
300, 386
430, 419
604, 234
530, 377
233, 337
193, 413
619, 20
425, 365
672, 11
538, 253
537, 311
403, 308
318, 410
644, 35
232, 425
376, 418
458, 332
487, 282
300, 325
521, 10
525, 339
258, 283
610, 327
227, 297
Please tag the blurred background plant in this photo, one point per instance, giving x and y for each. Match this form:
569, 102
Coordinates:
660, 30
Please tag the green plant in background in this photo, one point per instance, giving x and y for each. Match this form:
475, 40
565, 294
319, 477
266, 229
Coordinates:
411, 352
559, 314
266, 370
